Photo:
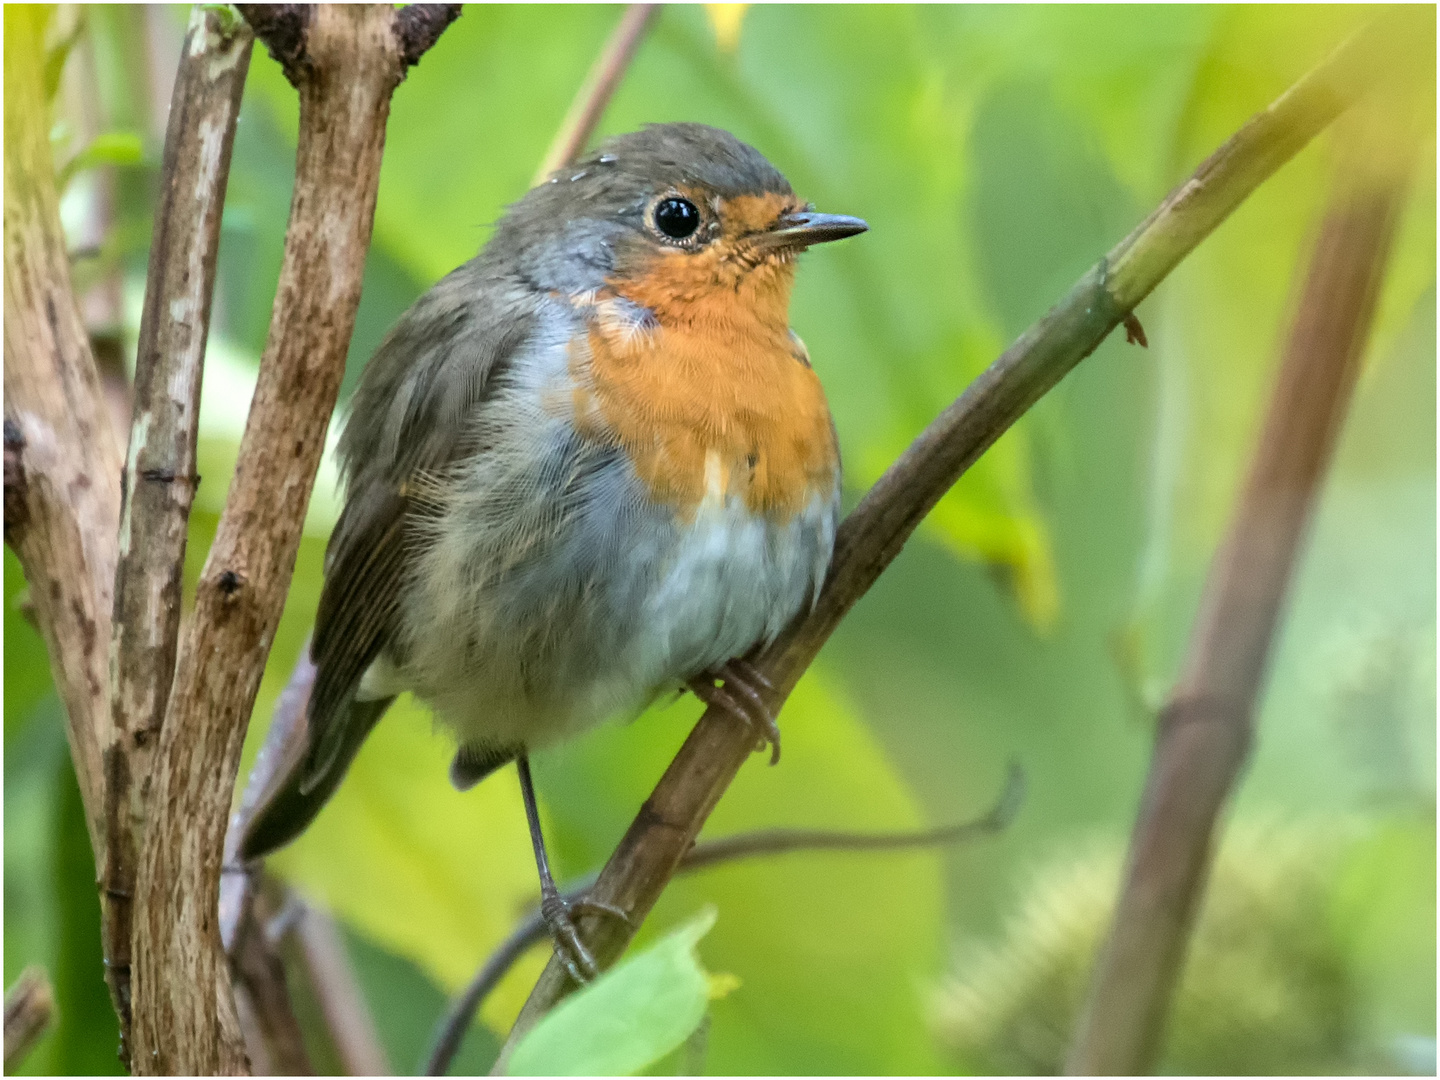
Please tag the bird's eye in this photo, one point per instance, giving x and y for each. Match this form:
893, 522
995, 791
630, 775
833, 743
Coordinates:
677, 218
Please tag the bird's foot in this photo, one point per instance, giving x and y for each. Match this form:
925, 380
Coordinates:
559, 920
741, 696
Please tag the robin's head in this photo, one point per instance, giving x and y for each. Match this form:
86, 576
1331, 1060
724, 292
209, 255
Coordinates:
666, 216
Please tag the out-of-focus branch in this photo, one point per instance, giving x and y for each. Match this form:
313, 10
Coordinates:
452, 1027
1207, 727
29, 1007
274, 940
271, 1029
350, 61
62, 462
159, 480
595, 92
875, 532
320, 963
250, 900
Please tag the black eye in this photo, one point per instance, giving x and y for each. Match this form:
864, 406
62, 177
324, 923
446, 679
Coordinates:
677, 218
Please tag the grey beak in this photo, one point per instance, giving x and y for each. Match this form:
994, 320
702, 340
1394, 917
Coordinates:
801, 230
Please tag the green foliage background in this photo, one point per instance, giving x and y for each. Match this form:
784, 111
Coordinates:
1039, 616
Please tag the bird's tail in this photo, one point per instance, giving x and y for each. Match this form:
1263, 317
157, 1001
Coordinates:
300, 789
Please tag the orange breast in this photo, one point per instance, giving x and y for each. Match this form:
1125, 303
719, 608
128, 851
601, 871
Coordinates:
716, 401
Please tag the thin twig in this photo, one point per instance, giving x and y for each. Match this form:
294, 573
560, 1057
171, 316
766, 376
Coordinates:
273, 1038
159, 481
322, 965
246, 899
62, 496
595, 92
185, 1020
452, 1027
29, 1008
318, 963
1207, 728
878, 528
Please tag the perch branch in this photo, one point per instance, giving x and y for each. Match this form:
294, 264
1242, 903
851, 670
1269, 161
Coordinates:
159, 482
452, 1027
62, 462
29, 1008
350, 61
595, 92
1206, 728
875, 532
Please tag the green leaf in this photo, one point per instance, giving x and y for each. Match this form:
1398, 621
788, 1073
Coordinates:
109, 148
630, 1017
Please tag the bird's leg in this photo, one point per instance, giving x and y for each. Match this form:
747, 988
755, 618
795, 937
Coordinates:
741, 697
553, 908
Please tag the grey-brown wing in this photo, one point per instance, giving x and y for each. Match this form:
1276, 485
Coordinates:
365, 564
407, 417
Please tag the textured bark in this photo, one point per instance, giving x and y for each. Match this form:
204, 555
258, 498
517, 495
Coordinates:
1207, 727
160, 479
871, 537
62, 462
185, 1018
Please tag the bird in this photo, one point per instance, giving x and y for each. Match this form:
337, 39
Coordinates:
589, 468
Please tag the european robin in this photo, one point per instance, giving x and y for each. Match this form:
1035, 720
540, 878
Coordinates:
591, 466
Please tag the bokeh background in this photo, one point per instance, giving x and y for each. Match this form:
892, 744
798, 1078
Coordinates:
1038, 617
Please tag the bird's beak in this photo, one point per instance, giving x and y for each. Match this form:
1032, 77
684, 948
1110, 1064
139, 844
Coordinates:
799, 231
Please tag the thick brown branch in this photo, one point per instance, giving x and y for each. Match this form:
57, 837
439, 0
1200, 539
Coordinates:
1207, 727
62, 495
29, 1008
599, 85
185, 1020
876, 531
160, 480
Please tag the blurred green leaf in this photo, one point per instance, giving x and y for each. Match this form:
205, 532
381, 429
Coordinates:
110, 148
632, 1016
1385, 907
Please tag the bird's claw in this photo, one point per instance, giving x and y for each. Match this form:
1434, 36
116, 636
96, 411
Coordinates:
742, 677
559, 915
568, 946
601, 907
